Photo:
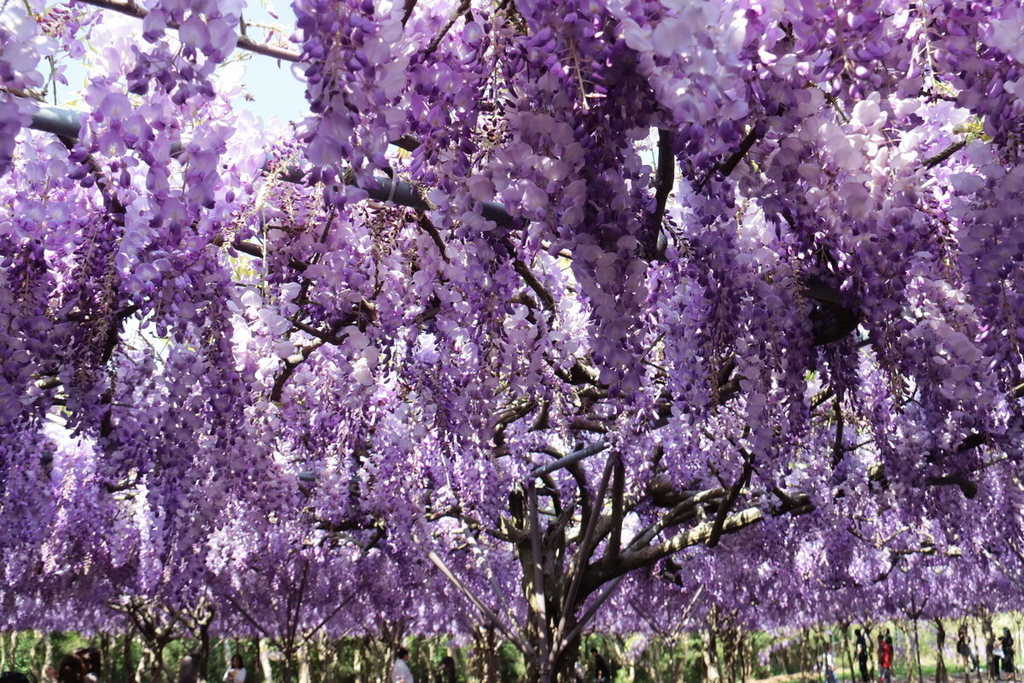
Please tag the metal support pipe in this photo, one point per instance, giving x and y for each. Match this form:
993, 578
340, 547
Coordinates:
66, 123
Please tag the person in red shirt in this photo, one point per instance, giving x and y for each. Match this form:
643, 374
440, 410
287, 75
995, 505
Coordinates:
885, 658
879, 651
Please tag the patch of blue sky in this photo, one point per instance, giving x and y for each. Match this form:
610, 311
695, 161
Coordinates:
267, 87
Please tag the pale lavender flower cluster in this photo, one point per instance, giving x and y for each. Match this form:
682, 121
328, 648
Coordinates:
356, 76
22, 45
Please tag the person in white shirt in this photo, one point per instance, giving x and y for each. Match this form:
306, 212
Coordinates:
827, 663
400, 673
236, 674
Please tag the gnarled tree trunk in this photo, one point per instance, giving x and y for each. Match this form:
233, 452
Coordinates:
709, 649
941, 675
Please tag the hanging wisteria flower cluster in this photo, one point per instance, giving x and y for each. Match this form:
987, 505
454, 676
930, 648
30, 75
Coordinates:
565, 310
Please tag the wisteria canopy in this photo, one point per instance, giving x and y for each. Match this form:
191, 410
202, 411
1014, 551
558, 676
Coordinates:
551, 315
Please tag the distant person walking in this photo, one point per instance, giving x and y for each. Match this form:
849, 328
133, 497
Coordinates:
188, 670
880, 652
602, 674
71, 670
828, 664
860, 647
963, 648
885, 658
1006, 641
90, 657
995, 658
447, 670
401, 673
236, 672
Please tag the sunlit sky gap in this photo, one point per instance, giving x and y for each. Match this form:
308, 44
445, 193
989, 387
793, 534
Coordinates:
273, 88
